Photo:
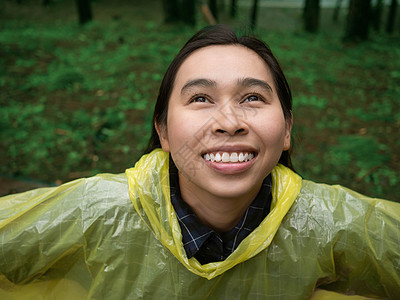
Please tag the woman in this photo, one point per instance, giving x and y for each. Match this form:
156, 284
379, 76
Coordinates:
217, 212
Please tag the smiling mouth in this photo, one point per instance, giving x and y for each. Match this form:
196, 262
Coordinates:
229, 157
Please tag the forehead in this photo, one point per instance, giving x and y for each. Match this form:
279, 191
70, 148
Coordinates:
223, 62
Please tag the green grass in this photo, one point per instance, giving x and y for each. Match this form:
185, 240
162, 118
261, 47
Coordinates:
76, 101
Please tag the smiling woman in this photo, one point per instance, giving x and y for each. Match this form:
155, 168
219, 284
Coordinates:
212, 210
212, 101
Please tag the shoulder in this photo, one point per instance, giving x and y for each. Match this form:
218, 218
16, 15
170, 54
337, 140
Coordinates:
86, 197
334, 206
104, 191
333, 197
97, 195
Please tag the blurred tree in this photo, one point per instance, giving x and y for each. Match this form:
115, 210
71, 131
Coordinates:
189, 12
205, 10
358, 20
311, 15
221, 6
233, 8
336, 10
171, 11
253, 16
391, 16
177, 11
84, 11
376, 15
46, 2
214, 8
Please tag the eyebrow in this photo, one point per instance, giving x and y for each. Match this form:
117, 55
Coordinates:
198, 82
244, 82
249, 81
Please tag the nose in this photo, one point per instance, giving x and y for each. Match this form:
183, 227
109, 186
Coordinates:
230, 122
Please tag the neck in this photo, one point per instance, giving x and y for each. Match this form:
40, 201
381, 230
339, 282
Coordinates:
219, 213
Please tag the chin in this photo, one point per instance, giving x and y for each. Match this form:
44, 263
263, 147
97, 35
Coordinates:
231, 192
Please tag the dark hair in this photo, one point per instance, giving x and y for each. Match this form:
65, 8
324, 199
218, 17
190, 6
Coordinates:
220, 35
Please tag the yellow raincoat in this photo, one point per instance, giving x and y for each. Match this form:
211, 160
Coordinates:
85, 240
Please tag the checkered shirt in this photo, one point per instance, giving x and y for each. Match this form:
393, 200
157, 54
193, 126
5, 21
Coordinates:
205, 244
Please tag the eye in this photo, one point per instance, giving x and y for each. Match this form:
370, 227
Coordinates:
252, 98
199, 99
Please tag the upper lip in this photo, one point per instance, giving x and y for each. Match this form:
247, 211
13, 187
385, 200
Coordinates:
231, 148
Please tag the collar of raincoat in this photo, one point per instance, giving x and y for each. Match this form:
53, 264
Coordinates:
150, 194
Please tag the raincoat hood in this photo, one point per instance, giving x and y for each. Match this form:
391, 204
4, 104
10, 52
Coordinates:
150, 195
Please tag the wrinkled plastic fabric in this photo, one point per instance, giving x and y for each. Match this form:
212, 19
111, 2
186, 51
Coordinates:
117, 237
159, 215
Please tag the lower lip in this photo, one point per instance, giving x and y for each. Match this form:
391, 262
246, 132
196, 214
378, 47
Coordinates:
230, 168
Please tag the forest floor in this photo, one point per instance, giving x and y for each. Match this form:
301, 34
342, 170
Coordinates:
78, 100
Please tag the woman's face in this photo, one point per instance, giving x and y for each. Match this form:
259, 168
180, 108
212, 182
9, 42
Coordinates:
225, 126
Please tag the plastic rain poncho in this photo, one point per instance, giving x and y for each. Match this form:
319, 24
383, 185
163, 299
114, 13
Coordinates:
117, 237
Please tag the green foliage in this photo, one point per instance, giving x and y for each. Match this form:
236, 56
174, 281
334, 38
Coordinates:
346, 110
364, 151
76, 101
99, 85
310, 101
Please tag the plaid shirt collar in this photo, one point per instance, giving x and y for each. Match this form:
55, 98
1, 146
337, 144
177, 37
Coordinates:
205, 244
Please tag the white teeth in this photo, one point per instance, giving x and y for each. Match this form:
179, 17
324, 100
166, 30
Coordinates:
225, 157
234, 157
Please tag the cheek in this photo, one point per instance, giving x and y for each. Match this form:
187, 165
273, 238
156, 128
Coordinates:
271, 129
184, 134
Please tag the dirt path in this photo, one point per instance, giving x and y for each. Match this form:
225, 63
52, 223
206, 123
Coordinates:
12, 186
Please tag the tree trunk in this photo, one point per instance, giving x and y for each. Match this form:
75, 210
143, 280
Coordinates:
188, 15
376, 15
391, 17
171, 11
84, 11
221, 6
311, 15
335, 16
214, 8
357, 27
205, 10
233, 8
253, 17
177, 11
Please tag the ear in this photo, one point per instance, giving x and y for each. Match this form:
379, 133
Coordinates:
163, 136
288, 131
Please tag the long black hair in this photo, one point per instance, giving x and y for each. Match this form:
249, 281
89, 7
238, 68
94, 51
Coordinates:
220, 35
